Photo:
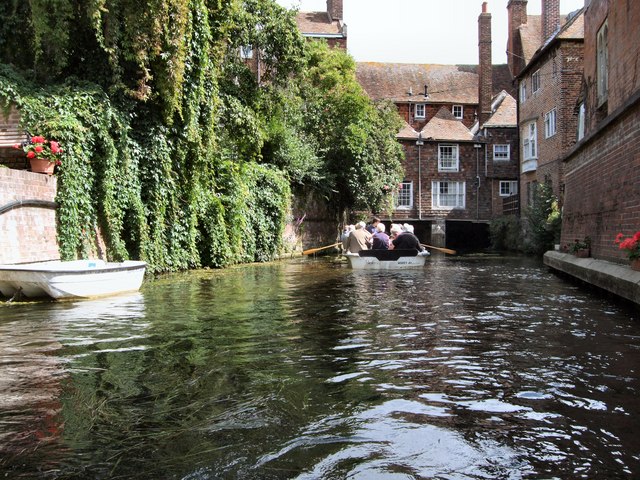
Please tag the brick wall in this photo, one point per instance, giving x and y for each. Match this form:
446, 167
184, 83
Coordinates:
560, 74
27, 234
602, 174
603, 187
11, 134
623, 18
478, 202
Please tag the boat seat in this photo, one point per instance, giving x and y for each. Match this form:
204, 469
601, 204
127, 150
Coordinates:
388, 255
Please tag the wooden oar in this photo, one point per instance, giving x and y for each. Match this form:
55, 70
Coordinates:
445, 250
314, 250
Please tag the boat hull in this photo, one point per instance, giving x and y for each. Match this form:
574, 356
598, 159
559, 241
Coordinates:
75, 279
378, 262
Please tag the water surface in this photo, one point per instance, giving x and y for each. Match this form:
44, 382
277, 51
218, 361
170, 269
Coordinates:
472, 368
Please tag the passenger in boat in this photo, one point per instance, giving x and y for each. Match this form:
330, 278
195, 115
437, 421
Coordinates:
358, 240
406, 240
346, 232
394, 231
371, 228
380, 240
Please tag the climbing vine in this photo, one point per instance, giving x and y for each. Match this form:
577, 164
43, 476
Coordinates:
176, 150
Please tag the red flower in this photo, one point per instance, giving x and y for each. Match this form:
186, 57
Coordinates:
630, 244
38, 148
37, 139
31, 154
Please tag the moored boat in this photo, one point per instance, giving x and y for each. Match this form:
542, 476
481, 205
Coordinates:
74, 279
387, 259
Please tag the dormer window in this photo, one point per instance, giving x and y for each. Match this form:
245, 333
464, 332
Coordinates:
457, 111
420, 110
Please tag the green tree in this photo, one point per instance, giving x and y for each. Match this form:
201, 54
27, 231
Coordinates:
356, 137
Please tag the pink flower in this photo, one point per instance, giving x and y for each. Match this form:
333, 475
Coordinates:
55, 146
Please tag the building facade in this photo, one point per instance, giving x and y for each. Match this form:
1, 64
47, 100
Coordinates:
547, 62
602, 171
328, 25
460, 142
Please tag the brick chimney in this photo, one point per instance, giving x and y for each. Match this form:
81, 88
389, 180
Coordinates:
334, 9
485, 77
517, 16
550, 18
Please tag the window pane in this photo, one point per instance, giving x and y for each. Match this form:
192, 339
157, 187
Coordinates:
404, 197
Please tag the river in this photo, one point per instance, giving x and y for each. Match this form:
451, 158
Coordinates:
479, 367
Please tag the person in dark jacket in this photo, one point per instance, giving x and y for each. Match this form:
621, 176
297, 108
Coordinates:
406, 240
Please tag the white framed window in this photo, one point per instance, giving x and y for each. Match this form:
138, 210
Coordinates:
502, 152
535, 81
404, 197
550, 128
530, 141
420, 110
581, 120
246, 52
457, 111
523, 91
448, 160
602, 62
508, 188
447, 194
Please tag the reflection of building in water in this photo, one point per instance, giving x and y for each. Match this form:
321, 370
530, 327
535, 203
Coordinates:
35, 360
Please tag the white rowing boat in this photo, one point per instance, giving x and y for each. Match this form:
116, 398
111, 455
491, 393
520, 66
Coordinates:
387, 259
75, 279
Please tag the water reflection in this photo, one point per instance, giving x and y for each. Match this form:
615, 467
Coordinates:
468, 369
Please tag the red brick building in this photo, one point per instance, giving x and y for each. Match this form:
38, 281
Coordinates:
460, 142
327, 25
602, 171
545, 55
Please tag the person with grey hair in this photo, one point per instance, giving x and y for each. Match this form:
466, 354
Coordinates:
406, 240
380, 239
358, 240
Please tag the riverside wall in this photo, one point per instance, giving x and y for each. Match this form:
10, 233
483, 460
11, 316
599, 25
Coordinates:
27, 217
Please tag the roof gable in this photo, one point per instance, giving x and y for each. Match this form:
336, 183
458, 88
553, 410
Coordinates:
505, 112
444, 126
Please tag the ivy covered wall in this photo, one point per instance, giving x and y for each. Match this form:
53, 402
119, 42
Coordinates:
173, 146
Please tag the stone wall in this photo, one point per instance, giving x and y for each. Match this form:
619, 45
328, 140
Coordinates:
27, 217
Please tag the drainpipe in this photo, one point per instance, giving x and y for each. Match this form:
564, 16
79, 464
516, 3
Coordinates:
419, 143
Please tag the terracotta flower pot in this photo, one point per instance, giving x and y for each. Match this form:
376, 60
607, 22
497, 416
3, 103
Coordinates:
582, 253
635, 264
42, 165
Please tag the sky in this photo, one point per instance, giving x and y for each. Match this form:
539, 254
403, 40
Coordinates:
423, 31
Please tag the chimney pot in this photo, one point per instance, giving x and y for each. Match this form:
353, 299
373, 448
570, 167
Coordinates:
484, 7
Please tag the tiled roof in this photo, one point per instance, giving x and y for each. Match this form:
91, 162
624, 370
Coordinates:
531, 36
444, 126
446, 83
407, 132
505, 112
573, 29
318, 23
531, 33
